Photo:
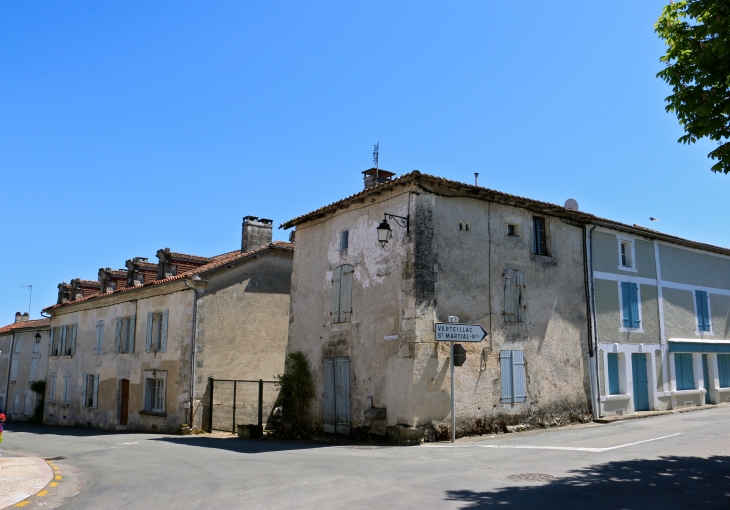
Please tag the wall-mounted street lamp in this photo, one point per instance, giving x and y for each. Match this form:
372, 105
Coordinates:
384, 231
37, 337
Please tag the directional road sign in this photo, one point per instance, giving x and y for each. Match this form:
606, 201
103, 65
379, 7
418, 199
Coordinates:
459, 332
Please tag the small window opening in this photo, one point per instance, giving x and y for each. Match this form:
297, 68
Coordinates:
540, 236
626, 260
344, 240
461, 226
466, 227
511, 231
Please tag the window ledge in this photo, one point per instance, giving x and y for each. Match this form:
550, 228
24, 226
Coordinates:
51, 403
621, 396
726, 388
632, 330
153, 413
629, 269
678, 393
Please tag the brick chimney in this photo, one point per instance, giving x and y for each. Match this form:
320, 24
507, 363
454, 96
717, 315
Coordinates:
64, 293
257, 232
375, 176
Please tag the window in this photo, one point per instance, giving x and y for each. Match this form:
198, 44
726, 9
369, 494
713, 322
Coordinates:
342, 293
723, 367
514, 306
157, 331
512, 364
540, 236
14, 370
36, 347
90, 390
702, 306
124, 334
28, 407
16, 402
626, 254
17, 345
685, 375
33, 369
344, 240
614, 388
52, 387
630, 310
70, 345
99, 337
511, 229
66, 385
155, 399
63, 341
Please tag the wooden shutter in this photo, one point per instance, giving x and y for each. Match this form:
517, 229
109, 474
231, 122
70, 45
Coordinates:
336, 276
52, 388
685, 377
131, 331
342, 395
62, 341
66, 380
118, 335
505, 362
509, 296
14, 370
519, 306
95, 401
634, 295
33, 369
72, 338
163, 335
723, 367
99, 336
346, 292
703, 312
626, 304
518, 375
150, 322
50, 343
613, 383
328, 396
83, 390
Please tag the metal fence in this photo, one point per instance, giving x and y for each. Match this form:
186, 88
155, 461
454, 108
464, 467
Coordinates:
240, 402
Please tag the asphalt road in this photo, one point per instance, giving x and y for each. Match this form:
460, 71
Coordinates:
674, 461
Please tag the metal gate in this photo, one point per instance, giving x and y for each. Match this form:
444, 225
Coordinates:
336, 396
240, 402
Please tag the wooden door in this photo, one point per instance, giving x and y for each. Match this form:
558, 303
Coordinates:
124, 404
641, 382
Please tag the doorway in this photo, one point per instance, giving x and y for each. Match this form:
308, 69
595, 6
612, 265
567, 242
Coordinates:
641, 382
706, 376
336, 396
124, 403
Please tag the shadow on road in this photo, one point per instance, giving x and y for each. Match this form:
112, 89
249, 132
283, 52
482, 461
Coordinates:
667, 483
234, 444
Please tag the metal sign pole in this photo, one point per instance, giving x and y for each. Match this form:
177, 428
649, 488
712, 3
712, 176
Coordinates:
453, 400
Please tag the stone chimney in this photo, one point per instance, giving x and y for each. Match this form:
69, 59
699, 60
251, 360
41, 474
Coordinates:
257, 232
375, 176
21, 317
64, 293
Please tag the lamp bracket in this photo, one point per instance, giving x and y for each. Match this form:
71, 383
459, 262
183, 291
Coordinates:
403, 221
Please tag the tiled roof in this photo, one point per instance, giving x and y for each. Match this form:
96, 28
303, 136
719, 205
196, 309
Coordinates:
219, 260
37, 323
147, 265
88, 283
118, 273
504, 198
195, 259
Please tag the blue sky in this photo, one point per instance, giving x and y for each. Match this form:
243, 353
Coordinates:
126, 127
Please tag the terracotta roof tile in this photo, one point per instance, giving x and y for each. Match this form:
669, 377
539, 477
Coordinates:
36, 323
189, 258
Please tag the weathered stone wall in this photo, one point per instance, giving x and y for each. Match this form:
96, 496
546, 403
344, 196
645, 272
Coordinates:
26, 349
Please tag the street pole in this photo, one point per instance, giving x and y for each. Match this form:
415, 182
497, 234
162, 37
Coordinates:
453, 399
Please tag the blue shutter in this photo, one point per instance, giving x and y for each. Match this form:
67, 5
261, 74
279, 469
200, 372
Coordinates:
118, 335
518, 376
723, 367
634, 294
163, 335
613, 384
685, 371
703, 312
72, 339
505, 362
132, 331
335, 313
50, 343
150, 322
626, 304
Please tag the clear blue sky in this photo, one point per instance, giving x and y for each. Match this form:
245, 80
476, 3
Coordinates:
126, 127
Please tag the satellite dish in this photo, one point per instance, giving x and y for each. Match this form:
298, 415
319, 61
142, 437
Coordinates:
571, 204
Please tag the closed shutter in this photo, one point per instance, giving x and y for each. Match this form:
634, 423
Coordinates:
62, 341
14, 370
50, 343
685, 376
28, 405
626, 304
519, 303
634, 295
342, 395
33, 370
131, 331
52, 388
66, 382
99, 337
118, 335
16, 403
346, 293
703, 312
613, 383
336, 276
518, 374
72, 339
509, 296
723, 367
150, 322
328, 396
163, 335
95, 402
505, 362
83, 390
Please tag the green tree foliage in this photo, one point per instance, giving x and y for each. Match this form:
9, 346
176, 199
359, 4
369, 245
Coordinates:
697, 33
38, 387
296, 391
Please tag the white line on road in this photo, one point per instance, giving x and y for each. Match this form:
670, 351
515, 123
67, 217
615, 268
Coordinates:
130, 443
576, 448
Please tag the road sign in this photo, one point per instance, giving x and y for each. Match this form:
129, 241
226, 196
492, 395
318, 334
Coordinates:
459, 332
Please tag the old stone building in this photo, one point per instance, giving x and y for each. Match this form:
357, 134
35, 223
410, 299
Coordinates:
139, 355
23, 361
364, 311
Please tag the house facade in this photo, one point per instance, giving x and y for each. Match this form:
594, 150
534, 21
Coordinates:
23, 361
364, 312
139, 355
660, 307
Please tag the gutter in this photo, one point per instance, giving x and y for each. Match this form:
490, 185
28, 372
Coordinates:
593, 363
194, 346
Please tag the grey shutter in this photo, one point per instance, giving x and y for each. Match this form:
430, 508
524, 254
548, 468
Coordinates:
95, 402
99, 336
132, 330
342, 395
346, 293
505, 362
33, 369
50, 344
118, 335
72, 339
62, 341
150, 322
509, 296
336, 276
163, 335
83, 391
518, 376
328, 396
519, 285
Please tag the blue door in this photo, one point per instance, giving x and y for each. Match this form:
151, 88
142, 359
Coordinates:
706, 375
641, 382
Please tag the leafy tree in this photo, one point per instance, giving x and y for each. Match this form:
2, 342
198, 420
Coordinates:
296, 391
697, 33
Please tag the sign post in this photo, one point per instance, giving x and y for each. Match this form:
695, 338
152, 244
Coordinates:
453, 332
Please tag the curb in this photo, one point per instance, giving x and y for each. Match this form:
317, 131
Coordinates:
650, 414
47, 475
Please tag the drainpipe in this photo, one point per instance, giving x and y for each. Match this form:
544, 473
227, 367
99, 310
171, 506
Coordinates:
192, 356
592, 329
10, 364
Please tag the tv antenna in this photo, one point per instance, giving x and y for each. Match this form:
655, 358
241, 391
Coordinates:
376, 153
30, 299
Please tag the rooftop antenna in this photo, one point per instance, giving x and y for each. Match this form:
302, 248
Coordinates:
30, 299
376, 153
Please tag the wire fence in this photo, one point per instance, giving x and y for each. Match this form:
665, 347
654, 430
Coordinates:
240, 402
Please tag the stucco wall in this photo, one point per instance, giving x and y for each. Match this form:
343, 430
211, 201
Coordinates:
692, 267
25, 341
606, 254
608, 314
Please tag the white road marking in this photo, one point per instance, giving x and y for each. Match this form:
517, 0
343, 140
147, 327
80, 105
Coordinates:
577, 448
130, 443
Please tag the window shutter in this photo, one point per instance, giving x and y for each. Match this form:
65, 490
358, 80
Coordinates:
33, 369
626, 304
518, 376
131, 331
685, 376
14, 370
723, 367
66, 378
95, 402
118, 335
505, 362
634, 294
613, 384
335, 313
83, 391
165, 315
518, 303
62, 341
150, 322
99, 336
703, 312
706, 311
50, 343
72, 340
346, 292
509, 295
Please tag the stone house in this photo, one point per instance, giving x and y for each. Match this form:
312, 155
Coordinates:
364, 312
139, 355
660, 306
23, 360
